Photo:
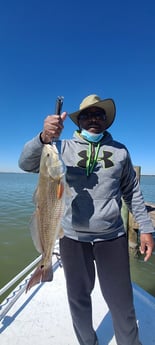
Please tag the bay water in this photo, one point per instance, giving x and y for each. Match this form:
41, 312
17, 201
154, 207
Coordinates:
16, 246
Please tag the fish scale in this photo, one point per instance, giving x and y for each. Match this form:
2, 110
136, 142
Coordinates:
54, 204
46, 221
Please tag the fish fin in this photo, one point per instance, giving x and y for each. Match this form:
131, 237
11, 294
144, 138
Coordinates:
68, 190
33, 225
35, 278
47, 275
35, 195
60, 190
61, 233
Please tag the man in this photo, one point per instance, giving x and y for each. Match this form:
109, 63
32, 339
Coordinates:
99, 173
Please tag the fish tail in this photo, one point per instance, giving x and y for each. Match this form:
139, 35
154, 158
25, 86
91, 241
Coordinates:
47, 275
41, 274
35, 279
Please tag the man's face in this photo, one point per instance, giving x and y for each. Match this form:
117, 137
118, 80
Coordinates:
93, 120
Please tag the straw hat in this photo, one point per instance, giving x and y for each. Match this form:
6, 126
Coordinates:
107, 105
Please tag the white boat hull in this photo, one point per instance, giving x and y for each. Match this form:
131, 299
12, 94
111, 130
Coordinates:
42, 316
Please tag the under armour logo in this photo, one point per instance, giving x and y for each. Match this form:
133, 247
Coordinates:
108, 163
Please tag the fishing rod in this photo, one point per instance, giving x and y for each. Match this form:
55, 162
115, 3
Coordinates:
58, 108
59, 104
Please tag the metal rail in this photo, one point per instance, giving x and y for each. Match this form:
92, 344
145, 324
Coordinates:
19, 289
20, 275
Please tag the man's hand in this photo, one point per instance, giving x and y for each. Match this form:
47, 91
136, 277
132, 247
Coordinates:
146, 245
53, 126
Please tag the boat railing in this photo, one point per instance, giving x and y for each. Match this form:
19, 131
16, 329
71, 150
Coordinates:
21, 286
19, 276
17, 292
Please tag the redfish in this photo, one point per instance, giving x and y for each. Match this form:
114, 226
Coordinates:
49, 199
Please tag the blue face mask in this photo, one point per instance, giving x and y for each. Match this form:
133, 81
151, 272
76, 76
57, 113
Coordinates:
92, 137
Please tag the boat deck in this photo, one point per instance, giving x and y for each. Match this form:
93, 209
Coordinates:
42, 316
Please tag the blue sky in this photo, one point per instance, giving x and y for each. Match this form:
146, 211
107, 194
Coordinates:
51, 48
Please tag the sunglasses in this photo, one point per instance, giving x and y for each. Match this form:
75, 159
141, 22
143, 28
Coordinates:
97, 115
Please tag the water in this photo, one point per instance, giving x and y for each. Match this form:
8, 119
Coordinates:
148, 187
16, 247
144, 273
16, 208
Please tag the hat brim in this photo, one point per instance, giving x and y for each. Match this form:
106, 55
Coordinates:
107, 105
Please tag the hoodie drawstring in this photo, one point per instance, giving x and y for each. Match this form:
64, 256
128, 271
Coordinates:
92, 157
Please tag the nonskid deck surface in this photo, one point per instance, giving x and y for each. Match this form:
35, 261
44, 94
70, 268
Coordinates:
42, 316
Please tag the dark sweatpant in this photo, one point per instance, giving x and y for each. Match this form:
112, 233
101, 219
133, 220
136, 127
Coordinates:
112, 262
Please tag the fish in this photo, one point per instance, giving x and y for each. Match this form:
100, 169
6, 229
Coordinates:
49, 199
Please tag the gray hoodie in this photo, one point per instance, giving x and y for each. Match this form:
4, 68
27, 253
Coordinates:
98, 177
